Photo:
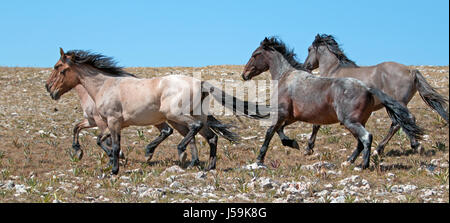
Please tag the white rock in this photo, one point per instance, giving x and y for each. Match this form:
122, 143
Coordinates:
429, 193
243, 197
266, 183
340, 199
319, 165
254, 166
345, 164
125, 178
9, 184
173, 169
175, 184
21, 189
322, 193
171, 179
401, 198
200, 175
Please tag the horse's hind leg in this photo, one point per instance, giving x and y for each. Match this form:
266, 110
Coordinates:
286, 141
392, 130
211, 138
416, 146
165, 131
364, 142
183, 130
312, 140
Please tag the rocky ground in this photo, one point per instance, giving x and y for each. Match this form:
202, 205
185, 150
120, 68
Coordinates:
35, 166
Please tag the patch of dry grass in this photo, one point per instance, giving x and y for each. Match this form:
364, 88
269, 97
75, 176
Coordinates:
36, 136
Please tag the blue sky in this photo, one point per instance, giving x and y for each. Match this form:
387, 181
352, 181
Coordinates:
201, 33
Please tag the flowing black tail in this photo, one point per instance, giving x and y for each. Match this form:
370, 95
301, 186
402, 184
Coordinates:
430, 96
256, 111
222, 129
399, 114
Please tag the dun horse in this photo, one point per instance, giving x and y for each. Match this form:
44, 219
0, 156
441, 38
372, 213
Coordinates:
125, 101
321, 100
93, 119
394, 79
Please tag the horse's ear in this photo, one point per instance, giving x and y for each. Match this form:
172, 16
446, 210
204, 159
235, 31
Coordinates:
318, 36
63, 55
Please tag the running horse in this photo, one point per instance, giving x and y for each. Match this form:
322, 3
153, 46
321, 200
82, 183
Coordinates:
92, 119
394, 79
321, 100
122, 101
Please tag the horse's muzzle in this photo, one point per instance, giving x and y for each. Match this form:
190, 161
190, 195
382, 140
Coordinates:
55, 95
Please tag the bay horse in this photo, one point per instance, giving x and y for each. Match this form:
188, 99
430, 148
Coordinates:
92, 119
394, 79
125, 101
321, 100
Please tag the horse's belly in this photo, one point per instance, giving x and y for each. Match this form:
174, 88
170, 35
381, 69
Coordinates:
144, 117
319, 115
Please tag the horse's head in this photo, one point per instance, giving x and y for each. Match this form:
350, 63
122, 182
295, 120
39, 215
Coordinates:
257, 64
314, 51
63, 78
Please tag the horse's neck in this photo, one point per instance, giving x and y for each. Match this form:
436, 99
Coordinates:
278, 66
328, 65
82, 94
92, 81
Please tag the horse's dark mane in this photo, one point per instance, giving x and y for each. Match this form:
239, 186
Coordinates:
288, 54
333, 46
98, 61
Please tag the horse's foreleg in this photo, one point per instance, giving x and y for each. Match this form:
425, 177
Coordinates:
194, 128
286, 141
114, 127
356, 152
364, 142
269, 134
312, 140
76, 135
165, 131
183, 130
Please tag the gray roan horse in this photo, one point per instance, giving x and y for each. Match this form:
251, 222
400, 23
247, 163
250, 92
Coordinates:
394, 79
125, 101
321, 100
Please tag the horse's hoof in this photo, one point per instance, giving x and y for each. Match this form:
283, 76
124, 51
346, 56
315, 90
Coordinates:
76, 147
149, 158
193, 163
183, 157
365, 166
210, 167
295, 145
115, 170
308, 152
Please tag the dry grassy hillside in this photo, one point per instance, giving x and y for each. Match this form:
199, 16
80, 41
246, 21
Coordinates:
36, 135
